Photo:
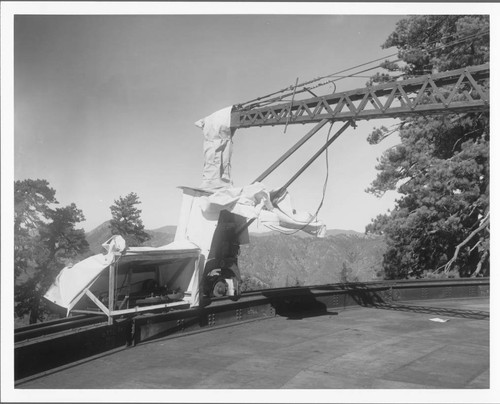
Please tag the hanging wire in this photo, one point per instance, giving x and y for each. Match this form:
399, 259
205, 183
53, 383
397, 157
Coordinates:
319, 78
281, 98
333, 82
315, 216
327, 164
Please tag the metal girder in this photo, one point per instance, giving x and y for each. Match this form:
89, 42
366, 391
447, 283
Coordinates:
447, 92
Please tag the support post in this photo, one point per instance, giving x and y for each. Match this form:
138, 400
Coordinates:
111, 292
97, 302
292, 150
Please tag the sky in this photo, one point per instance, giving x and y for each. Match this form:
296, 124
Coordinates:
105, 105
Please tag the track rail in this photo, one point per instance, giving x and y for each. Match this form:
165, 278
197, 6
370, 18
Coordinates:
397, 283
42, 347
55, 326
45, 329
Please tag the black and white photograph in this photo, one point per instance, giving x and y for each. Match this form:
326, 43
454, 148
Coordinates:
247, 202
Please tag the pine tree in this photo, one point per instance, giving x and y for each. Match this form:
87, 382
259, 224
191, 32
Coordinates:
126, 220
441, 166
45, 240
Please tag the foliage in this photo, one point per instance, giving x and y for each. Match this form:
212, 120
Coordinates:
346, 274
277, 260
441, 166
45, 240
126, 220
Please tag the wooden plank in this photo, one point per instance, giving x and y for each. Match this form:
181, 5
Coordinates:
97, 302
96, 312
111, 294
125, 300
158, 256
138, 309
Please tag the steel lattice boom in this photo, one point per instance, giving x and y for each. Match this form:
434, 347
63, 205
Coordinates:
454, 91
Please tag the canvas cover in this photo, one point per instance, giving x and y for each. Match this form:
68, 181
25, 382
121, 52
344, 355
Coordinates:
72, 282
251, 201
217, 149
254, 202
200, 212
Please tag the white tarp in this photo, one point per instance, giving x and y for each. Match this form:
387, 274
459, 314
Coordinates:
196, 227
72, 281
284, 218
200, 213
251, 201
217, 149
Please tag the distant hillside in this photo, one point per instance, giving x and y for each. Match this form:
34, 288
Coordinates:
165, 229
279, 260
336, 232
166, 234
329, 232
274, 260
163, 235
96, 237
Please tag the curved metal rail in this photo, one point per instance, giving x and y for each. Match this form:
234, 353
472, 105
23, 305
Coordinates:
67, 324
42, 347
55, 326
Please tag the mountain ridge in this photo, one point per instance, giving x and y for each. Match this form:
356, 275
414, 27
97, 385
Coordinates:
165, 234
273, 260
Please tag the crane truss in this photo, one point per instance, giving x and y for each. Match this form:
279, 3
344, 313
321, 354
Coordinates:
460, 90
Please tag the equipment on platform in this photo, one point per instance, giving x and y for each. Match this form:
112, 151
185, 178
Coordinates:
203, 259
129, 280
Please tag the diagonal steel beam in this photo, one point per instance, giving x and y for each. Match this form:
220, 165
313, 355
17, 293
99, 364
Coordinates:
277, 193
290, 151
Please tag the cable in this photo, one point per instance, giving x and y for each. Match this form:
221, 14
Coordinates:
314, 80
463, 39
327, 173
315, 217
342, 77
277, 99
319, 78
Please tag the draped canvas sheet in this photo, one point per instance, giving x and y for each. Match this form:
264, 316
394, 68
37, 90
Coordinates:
217, 149
200, 213
72, 281
251, 201
284, 218
196, 227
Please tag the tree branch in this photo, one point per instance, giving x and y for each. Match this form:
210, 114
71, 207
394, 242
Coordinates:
485, 223
480, 264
